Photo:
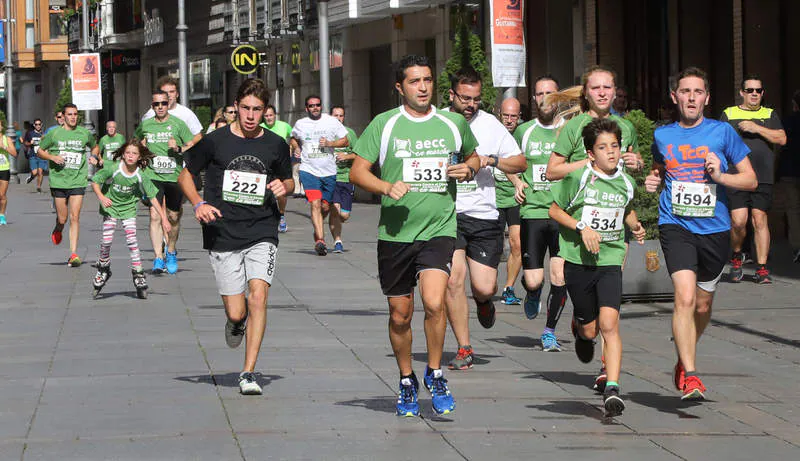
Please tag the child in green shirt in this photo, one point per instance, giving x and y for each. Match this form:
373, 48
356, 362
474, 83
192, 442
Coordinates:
590, 205
119, 189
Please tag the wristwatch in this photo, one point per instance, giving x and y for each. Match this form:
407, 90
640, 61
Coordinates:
580, 226
495, 158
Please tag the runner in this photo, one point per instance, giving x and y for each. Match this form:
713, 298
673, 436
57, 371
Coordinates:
540, 233
762, 131
511, 116
417, 228
284, 130
167, 137
590, 206
119, 186
65, 149
692, 159
344, 191
246, 167
38, 166
59, 122
479, 237
7, 150
109, 144
169, 85
317, 135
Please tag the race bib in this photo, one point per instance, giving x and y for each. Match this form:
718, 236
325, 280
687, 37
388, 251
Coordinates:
540, 181
499, 175
72, 160
695, 200
164, 165
608, 222
315, 151
426, 174
243, 187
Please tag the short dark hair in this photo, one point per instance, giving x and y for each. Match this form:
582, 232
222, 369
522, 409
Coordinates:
253, 87
410, 60
752, 77
37, 120
270, 106
310, 97
160, 93
691, 72
68, 105
593, 129
167, 80
464, 76
545, 77
337, 106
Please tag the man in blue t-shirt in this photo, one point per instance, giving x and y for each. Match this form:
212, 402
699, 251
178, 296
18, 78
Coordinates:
694, 159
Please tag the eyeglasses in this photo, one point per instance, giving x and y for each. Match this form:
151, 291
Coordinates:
467, 99
230, 111
313, 105
59, 116
159, 103
509, 116
750, 90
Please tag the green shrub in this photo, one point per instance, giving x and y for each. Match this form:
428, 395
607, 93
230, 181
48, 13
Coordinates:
645, 203
203, 114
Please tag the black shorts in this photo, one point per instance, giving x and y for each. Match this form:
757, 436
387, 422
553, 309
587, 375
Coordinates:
66, 193
703, 254
760, 199
5, 175
509, 216
171, 193
399, 263
538, 236
592, 287
343, 195
481, 238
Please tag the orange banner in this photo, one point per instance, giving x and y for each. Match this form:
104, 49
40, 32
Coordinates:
507, 22
85, 72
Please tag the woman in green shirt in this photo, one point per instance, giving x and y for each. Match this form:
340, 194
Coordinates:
7, 150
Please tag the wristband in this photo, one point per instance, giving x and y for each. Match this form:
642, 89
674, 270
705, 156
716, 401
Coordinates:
201, 202
472, 173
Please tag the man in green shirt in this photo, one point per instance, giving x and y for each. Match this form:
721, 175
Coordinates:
284, 130
167, 137
65, 150
421, 151
109, 144
344, 191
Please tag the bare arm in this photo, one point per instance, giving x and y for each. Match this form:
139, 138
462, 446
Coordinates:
361, 176
771, 135
743, 179
193, 141
558, 168
638, 231
12, 149
512, 165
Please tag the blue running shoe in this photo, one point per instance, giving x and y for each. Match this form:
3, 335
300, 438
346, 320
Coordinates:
443, 402
407, 404
172, 262
338, 247
533, 303
282, 226
550, 343
159, 266
510, 298
3, 221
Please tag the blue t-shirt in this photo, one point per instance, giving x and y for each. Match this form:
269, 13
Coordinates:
683, 152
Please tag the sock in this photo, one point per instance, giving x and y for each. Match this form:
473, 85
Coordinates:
437, 373
691, 373
549, 330
467, 346
555, 305
612, 384
407, 380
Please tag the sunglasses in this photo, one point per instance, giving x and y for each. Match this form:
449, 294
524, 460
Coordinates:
750, 90
159, 103
313, 105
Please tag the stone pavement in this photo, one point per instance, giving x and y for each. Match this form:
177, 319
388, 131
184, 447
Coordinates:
125, 379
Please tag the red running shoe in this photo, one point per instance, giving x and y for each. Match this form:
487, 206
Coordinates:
693, 389
679, 375
55, 237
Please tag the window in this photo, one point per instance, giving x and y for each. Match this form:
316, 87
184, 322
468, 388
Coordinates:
57, 8
30, 38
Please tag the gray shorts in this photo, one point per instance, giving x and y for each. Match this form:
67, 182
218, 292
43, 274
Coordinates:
233, 269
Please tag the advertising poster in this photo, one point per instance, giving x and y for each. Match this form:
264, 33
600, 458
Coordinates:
85, 73
508, 43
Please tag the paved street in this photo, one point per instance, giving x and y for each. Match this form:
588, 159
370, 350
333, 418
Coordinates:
127, 379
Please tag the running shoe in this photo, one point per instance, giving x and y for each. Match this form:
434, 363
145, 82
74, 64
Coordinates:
39, 190
693, 389
796, 258
74, 260
762, 276
55, 237
735, 275
462, 360
29, 179
407, 404
678, 375
172, 262
550, 343
510, 298
486, 313
533, 303
338, 247
442, 400
3, 221
248, 384
747, 258
584, 348
234, 332
600, 381
612, 402
282, 226
159, 266
320, 248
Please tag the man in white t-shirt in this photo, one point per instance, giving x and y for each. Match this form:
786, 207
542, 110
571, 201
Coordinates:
316, 136
169, 85
479, 240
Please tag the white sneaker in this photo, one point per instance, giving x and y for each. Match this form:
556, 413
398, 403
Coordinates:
248, 384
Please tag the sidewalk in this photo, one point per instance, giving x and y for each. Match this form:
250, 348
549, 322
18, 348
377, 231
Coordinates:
127, 379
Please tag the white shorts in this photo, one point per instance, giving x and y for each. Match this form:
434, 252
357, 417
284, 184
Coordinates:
233, 269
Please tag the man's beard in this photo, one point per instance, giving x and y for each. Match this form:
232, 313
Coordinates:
546, 118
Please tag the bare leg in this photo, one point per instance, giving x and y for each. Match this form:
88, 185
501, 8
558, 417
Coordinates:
3, 196
335, 223
738, 228
156, 233
456, 298
62, 213
514, 263
691, 316
316, 219
401, 310
74, 203
432, 288
762, 237
609, 327
256, 321
174, 221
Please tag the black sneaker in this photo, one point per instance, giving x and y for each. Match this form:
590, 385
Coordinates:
735, 275
234, 332
762, 276
486, 313
584, 348
320, 248
612, 402
30, 179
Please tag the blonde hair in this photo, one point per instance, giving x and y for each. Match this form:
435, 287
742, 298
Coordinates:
567, 101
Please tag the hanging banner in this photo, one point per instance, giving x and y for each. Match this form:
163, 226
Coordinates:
84, 70
508, 43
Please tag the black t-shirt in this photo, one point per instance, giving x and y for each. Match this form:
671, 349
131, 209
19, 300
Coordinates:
789, 163
761, 154
241, 226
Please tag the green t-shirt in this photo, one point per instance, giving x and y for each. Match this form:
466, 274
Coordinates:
165, 166
343, 168
281, 128
5, 157
570, 140
124, 190
108, 146
415, 151
71, 145
537, 142
601, 202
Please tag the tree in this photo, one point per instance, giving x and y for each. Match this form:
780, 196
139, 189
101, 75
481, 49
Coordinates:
645, 203
467, 51
64, 96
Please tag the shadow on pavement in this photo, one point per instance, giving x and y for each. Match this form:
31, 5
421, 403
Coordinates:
228, 379
671, 404
379, 404
355, 312
524, 342
573, 408
477, 359
566, 377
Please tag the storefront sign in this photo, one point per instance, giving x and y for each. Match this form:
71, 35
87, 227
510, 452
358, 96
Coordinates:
121, 61
85, 73
244, 59
153, 28
508, 43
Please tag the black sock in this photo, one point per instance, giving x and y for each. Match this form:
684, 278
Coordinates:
691, 373
555, 304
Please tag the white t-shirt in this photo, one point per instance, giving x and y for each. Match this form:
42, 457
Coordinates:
476, 198
183, 113
315, 160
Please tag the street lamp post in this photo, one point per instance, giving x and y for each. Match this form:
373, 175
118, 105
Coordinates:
324, 55
10, 131
183, 66
87, 122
